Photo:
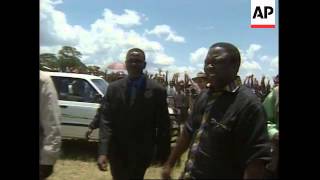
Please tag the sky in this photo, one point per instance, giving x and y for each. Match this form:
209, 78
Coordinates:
175, 34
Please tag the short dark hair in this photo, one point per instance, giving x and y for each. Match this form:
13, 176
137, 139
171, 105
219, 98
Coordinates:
232, 50
136, 50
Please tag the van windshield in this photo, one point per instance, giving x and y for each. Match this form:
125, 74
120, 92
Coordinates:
101, 84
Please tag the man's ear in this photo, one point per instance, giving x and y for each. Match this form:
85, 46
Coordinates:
144, 65
235, 70
126, 63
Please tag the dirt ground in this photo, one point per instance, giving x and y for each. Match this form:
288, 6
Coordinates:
78, 162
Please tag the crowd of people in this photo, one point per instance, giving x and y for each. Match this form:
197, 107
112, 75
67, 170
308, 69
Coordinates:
230, 128
261, 89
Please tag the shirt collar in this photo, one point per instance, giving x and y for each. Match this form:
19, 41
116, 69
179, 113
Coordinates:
136, 79
234, 85
136, 82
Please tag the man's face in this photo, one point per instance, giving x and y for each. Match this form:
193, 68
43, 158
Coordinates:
178, 87
135, 64
201, 82
219, 67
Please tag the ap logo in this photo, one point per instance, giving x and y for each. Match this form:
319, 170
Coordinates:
263, 14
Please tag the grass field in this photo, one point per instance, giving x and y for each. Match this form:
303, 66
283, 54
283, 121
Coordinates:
78, 162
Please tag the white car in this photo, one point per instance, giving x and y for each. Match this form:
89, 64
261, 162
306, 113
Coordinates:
79, 96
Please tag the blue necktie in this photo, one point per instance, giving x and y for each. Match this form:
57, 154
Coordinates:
133, 93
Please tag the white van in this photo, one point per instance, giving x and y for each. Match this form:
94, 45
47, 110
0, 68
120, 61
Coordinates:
79, 96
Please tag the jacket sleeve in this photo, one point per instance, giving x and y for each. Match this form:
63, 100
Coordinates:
105, 123
95, 122
50, 120
163, 128
270, 108
251, 134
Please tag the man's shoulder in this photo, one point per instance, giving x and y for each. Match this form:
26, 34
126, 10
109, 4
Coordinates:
202, 97
45, 81
245, 95
203, 93
118, 83
275, 90
44, 77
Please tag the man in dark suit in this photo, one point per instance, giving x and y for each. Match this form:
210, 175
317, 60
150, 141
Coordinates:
134, 122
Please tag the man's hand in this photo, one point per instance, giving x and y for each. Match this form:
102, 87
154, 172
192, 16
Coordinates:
45, 171
166, 172
88, 133
103, 163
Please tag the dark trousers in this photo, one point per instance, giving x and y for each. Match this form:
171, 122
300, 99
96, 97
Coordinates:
126, 169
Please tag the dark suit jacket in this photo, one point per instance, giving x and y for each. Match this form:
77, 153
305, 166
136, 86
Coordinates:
131, 132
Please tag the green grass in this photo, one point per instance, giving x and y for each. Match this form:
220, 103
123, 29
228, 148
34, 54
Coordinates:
78, 162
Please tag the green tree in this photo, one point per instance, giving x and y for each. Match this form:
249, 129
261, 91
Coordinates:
69, 57
94, 69
48, 61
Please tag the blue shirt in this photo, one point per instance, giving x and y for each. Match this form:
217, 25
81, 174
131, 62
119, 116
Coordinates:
138, 84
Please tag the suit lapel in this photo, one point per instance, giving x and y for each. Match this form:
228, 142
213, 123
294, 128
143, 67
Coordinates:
123, 90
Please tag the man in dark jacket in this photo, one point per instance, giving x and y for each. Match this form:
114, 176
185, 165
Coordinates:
227, 130
134, 122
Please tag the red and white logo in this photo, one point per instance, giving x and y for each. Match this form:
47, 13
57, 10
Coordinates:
263, 14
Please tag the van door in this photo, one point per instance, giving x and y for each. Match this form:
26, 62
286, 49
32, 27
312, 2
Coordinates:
78, 103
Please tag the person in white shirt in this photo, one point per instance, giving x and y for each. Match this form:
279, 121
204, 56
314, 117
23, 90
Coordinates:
49, 126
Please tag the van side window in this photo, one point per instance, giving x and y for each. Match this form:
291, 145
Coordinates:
74, 89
